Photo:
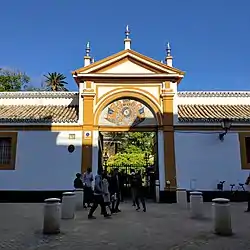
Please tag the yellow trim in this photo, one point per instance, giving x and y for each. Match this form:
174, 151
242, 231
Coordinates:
127, 88
124, 52
128, 93
243, 154
88, 118
169, 148
13, 136
53, 128
193, 127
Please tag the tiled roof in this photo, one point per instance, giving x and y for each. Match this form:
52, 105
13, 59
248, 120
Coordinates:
38, 94
213, 113
214, 94
38, 114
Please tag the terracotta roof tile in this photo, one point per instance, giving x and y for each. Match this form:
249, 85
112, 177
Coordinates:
213, 94
213, 113
38, 114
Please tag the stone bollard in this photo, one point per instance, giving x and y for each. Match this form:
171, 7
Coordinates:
222, 216
52, 216
79, 196
181, 197
157, 191
68, 205
196, 205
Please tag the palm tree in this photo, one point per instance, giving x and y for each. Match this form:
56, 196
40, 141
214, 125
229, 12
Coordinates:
55, 82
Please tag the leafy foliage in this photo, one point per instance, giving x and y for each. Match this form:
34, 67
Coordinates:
11, 80
132, 148
55, 82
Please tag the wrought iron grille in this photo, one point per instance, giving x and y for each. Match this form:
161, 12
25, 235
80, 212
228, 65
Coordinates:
5, 150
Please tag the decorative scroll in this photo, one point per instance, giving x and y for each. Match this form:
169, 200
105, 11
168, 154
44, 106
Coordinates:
125, 112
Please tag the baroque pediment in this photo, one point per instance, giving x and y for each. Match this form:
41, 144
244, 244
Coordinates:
128, 62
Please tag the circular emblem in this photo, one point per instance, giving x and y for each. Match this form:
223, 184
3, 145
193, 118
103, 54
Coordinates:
126, 112
87, 134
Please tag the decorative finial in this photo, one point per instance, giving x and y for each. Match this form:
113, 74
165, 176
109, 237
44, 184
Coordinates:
87, 49
92, 60
168, 49
127, 32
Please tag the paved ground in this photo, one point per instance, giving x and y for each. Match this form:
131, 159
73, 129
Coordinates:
164, 226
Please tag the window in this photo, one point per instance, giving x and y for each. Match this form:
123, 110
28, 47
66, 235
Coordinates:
8, 141
244, 138
247, 146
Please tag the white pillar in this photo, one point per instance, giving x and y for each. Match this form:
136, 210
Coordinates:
68, 205
161, 161
52, 216
157, 191
79, 199
222, 216
196, 205
181, 197
95, 152
80, 106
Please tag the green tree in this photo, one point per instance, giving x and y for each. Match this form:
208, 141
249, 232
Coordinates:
55, 82
11, 80
132, 148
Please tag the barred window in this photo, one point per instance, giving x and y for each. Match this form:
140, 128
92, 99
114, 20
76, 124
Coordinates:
5, 150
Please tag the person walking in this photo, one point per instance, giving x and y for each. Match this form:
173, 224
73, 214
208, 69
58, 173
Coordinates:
139, 196
106, 194
248, 193
133, 183
98, 197
115, 191
88, 192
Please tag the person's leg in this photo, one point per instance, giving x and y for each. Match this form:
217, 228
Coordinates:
118, 199
93, 208
103, 206
143, 203
248, 202
133, 196
137, 201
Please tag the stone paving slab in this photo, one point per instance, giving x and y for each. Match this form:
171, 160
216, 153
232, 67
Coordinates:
164, 226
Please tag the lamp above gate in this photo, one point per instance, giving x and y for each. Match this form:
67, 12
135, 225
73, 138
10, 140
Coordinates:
225, 125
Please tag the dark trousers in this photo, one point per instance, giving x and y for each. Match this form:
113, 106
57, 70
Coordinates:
88, 195
139, 197
133, 193
98, 200
248, 201
116, 203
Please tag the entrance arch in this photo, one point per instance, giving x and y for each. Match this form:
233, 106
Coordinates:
140, 96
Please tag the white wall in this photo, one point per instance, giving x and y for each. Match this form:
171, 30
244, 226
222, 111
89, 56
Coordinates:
43, 162
202, 156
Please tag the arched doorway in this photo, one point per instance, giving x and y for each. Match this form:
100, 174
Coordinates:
125, 114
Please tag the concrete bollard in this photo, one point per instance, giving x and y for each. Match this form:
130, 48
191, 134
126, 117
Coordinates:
79, 196
181, 197
222, 216
196, 205
157, 191
52, 216
68, 205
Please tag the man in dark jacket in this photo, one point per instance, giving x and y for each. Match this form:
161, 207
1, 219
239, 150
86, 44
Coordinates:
78, 181
98, 197
115, 190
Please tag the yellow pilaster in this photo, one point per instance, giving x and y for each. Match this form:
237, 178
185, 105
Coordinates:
168, 132
88, 119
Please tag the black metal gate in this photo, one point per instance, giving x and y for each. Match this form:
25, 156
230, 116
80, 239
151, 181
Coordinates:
148, 177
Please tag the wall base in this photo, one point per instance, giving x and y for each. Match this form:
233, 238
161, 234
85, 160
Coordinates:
29, 196
165, 196
208, 196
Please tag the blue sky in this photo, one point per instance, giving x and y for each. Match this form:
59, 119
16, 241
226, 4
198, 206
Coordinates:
210, 39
